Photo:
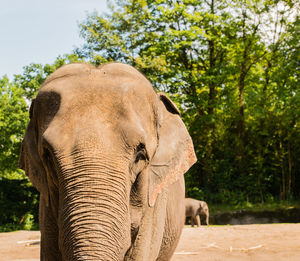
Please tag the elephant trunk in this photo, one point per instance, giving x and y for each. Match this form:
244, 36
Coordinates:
94, 216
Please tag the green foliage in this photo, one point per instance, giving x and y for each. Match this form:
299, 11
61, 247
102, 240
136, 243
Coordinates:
13, 119
18, 200
195, 192
9, 227
268, 206
28, 221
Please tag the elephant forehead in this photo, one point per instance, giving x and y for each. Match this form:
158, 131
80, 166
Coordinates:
85, 77
106, 89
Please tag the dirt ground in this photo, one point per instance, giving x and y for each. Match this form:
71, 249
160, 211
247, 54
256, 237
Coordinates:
245, 242
242, 242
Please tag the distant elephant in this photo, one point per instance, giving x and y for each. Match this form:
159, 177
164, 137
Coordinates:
194, 208
107, 154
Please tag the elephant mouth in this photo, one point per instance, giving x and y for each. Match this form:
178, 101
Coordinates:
134, 232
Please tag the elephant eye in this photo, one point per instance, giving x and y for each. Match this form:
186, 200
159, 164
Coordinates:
141, 153
140, 161
140, 156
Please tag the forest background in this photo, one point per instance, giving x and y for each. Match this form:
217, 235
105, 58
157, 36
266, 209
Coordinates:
232, 68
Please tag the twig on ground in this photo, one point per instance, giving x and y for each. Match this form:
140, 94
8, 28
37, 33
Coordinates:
215, 246
28, 241
245, 249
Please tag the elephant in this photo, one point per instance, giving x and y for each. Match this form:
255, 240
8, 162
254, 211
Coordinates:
194, 208
107, 154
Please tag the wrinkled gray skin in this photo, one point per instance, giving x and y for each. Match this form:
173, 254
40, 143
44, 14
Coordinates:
107, 155
194, 208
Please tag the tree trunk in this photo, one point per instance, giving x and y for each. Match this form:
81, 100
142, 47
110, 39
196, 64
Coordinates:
283, 179
290, 169
241, 126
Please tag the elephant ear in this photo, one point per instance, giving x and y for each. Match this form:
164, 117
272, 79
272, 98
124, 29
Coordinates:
175, 152
30, 160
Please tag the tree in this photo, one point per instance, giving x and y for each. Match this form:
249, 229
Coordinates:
285, 114
13, 118
216, 59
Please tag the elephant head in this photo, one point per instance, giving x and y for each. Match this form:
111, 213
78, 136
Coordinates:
102, 148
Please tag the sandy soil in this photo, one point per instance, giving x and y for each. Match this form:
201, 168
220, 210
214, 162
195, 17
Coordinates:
20, 245
246, 242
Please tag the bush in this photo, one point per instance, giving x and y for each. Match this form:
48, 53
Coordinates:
18, 203
195, 192
28, 221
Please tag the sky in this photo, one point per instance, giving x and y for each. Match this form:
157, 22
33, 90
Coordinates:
38, 31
